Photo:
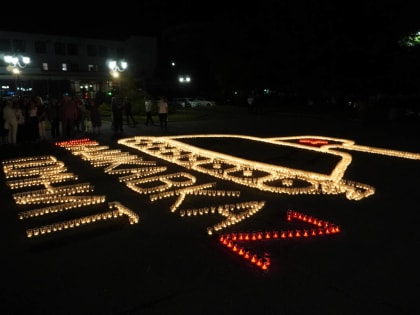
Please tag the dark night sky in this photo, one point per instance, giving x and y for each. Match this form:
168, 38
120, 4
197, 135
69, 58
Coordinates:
283, 39
149, 17
113, 20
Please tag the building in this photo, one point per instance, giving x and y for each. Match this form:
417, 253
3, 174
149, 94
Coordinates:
64, 64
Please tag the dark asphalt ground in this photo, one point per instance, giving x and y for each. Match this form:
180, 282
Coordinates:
167, 264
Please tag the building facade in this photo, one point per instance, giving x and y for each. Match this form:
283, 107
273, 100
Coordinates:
63, 64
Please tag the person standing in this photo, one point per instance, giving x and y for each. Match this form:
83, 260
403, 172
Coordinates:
54, 117
32, 121
117, 107
148, 109
128, 111
42, 117
95, 116
10, 121
79, 116
163, 112
68, 116
20, 116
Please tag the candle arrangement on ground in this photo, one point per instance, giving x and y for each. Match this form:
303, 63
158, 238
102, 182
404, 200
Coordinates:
233, 240
47, 172
146, 177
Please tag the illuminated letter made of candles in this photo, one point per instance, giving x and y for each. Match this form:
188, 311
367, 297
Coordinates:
152, 180
47, 171
236, 241
263, 176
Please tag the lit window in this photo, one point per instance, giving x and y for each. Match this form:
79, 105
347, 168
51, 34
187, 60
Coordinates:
92, 68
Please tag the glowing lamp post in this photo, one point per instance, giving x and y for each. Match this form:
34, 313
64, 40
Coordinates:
184, 79
116, 67
17, 61
15, 64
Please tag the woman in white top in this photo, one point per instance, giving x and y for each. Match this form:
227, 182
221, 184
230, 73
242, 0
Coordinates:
148, 109
163, 112
10, 121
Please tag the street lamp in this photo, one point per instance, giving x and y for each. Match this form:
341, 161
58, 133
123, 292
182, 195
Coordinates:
184, 79
16, 63
116, 67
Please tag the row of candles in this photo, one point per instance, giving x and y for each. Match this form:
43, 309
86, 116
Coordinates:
230, 240
117, 210
52, 194
196, 192
70, 224
234, 217
43, 179
77, 202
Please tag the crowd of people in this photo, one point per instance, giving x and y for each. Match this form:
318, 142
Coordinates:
26, 119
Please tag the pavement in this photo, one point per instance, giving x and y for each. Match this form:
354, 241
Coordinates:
168, 264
